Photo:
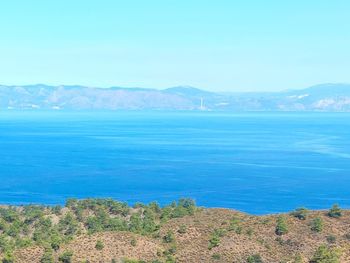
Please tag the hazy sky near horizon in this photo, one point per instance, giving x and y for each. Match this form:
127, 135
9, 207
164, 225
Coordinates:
222, 45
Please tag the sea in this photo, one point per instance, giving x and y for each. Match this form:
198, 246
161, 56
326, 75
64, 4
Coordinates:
255, 162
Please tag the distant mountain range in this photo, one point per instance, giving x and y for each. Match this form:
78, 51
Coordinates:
325, 97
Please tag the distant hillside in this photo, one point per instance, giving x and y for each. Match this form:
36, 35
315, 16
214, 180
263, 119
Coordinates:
104, 230
325, 97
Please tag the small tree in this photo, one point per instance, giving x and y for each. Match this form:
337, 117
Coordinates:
56, 241
169, 237
133, 242
331, 239
182, 229
298, 259
8, 258
214, 240
235, 225
256, 258
300, 213
281, 226
47, 256
317, 224
335, 211
66, 257
99, 245
325, 254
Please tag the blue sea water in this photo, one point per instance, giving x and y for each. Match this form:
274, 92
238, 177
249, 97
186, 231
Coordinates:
254, 162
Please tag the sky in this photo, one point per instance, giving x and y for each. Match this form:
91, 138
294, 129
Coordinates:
222, 45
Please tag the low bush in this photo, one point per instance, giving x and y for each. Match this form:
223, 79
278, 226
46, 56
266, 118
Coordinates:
317, 224
214, 240
335, 211
300, 213
182, 229
331, 239
169, 237
256, 258
325, 254
99, 245
47, 257
66, 257
281, 226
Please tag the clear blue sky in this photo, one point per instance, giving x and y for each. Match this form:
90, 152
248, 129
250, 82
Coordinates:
222, 45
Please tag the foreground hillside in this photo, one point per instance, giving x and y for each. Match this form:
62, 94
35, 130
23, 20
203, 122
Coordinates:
103, 230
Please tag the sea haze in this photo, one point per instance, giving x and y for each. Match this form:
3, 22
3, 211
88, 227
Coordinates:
254, 162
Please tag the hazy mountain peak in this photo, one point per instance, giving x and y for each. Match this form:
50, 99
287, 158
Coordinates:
186, 90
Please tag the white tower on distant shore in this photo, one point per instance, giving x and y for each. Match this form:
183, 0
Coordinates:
202, 104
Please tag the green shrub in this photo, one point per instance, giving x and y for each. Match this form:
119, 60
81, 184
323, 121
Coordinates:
185, 206
23, 242
250, 232
3, 224
66, 257
335, 211
68, 225
347, 236
9, 214
136, 224
133, 242
99, 245
56, 240
325, 254
71, 202
182, 229
8, 257
281, 226
216, 256
214, 240
32, 213
298, 259
235, 225
256, 258
149, 225
56, 210
154, 206
93, 224
317, 224
187, 203
170, 259
126, 260
280, 241
171, 251
300, 213
169, 237
14, 229
331, 239
47, 256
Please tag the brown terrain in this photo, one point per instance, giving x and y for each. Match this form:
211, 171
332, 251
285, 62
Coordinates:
241, 235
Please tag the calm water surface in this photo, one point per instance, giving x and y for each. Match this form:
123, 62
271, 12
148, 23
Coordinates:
255, 162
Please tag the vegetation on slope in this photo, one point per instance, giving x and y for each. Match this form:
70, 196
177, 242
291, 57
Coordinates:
50, 227
104, 230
